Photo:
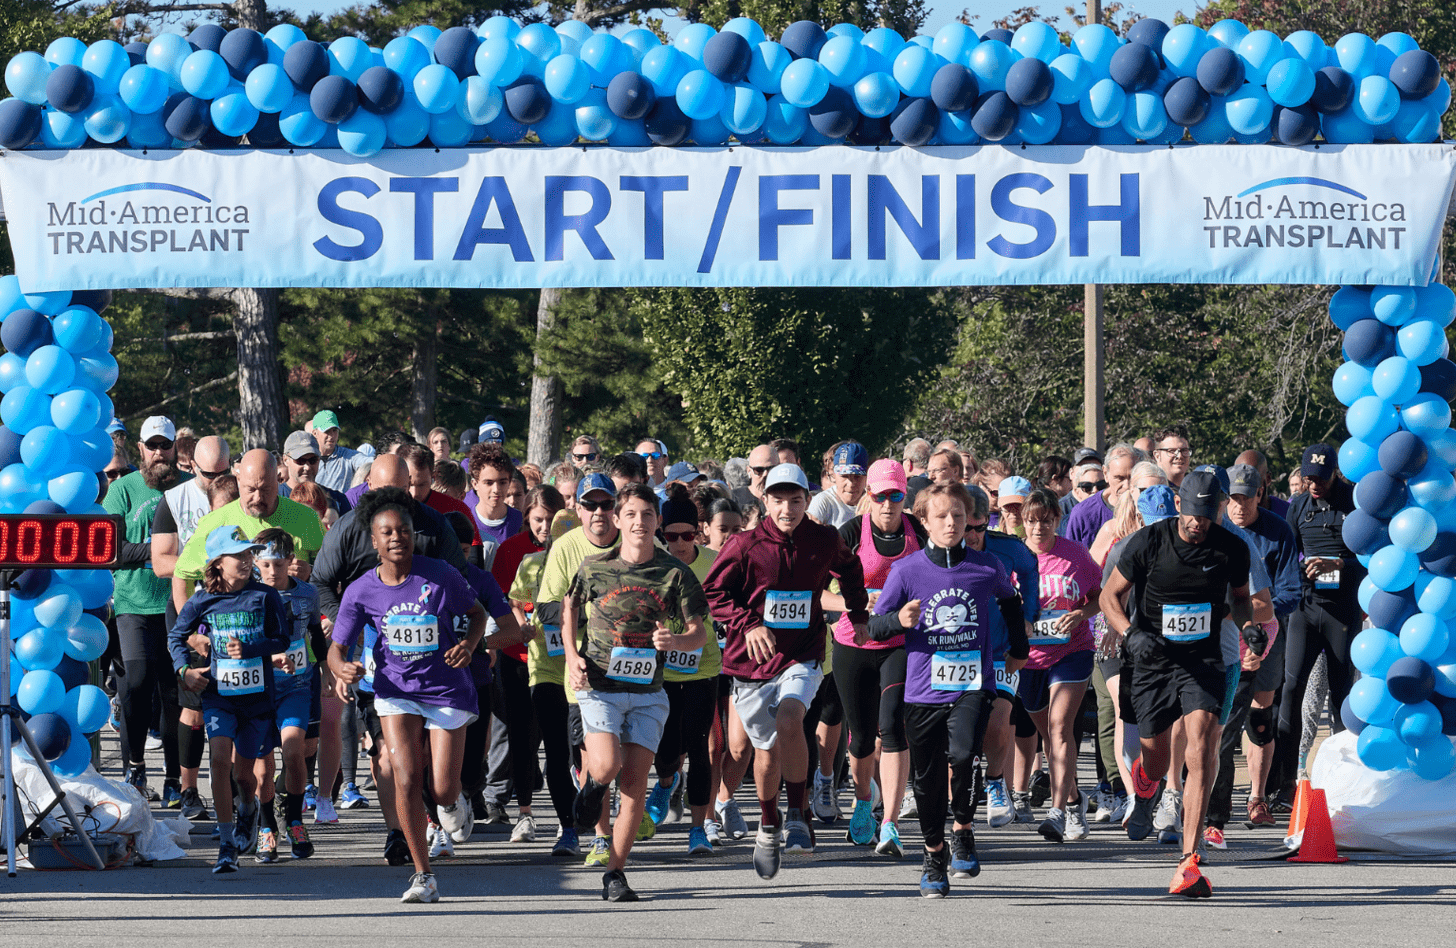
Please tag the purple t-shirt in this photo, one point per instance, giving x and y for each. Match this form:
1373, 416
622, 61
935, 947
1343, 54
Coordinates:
957, 605
354, 493
500, 533
488, 591
416, 622
1087, 518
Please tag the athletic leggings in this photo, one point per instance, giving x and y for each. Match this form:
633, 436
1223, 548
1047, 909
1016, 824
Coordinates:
520, 720
477, 740
938, 733
553, 715
1312, 630
871, 683
691, 706
147, 677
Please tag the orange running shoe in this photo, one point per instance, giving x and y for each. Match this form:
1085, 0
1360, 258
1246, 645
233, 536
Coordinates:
1189, 880
1213, 838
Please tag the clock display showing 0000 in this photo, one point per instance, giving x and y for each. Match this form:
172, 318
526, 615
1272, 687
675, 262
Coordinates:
59, 541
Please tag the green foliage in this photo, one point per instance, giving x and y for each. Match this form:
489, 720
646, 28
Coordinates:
382, 21
906, 16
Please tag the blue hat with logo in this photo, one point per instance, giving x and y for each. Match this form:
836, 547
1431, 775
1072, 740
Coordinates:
1156, 503
595, 481
229, 541
683, 471
115, 426
1219, 474
491, 432
851, 458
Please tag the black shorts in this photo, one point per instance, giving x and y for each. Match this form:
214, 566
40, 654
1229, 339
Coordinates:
315, 705
1175, 680
367, 716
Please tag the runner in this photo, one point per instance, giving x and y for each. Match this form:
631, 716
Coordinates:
491, 472
835, 507
300, 465
945, 467
337, 463
1011, 496
1087, 479
1172, 450
764, 589
585, 451
635, 591
439, 441
1278, 506
1089, 515
761, 460
1181, 572
654, 457
916, 456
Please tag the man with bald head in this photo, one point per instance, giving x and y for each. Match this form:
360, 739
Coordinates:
1277, 506
761, 460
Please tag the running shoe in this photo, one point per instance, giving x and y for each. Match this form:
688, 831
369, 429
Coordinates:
587, 808
568, 843
310, 797
1054, 827
1169, 815
525, 830
351, 799
877, 801
933, 882
766, 852
889, 844
300, 846
441, 845
325, 813
227, 859
964, 863
731, 819
154, 740
1041, 788
171, 795
600, 852
1139, 822
1259, 814
1189, 880
675, 806
422, 888
698, 844
862, 824
192, 806
245, 828
798, 834
396, 849
458, 819
713, 830
1021, 807
115, 722
660, 798
998, 803
825, 806
1101, 806
1077, 828
1213, 838
137, 778
646, 829
909, 809
1111, 807
267, 849
495, 813
615, 887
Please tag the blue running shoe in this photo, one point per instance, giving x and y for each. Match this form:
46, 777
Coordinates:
351, 799
698, 844
933, 881
568, 843
862, 823
889, 844
964, 863
171, 796
661, 798
310, 797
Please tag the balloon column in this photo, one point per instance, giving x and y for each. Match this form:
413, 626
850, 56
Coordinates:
215, 88
1398, 383
54, 374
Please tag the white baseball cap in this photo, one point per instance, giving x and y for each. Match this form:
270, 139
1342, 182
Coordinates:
158, 425
786, 474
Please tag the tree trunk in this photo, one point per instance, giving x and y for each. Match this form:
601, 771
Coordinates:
260, 379
252, 14
543, 439
422, 388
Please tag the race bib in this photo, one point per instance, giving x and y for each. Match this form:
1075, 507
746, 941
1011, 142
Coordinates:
635, 666
786, 610
412, 636
1006, 682
686, 663
555, 644
1330, 580
955, 671
1187, 623
239, 676
1044, 630
298, 654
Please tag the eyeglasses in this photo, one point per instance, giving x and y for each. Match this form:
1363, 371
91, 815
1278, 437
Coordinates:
113, 473
162, 445
679, 536
977, 527
592, 506
211, 475
1088, 487
761, 471
651, 455
888, 497
1175, 452
584, 457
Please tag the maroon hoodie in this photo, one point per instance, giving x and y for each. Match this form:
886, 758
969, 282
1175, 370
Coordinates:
762, 559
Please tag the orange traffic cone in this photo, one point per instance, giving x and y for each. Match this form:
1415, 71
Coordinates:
1299, 812
1318, 844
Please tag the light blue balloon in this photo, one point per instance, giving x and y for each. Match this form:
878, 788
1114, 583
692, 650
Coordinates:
167, 52
709, 131
76, 411
75, 761
1373, 651
1421, 340
692, 38
298, 123
1036, 40
1435, 758
12, 372
66, 51
42, 692
1426, 415
349, 56
843, 58
1372, 419
990, 62
1365, 592
408, 124
437, 87
1072, 76
1393, 569
629, 134
882, 45
701, 95
1372, 702
1215, 128
1249, 110
479, 102
804, 83
1309, 47
75, 488
1290, 82
1396, 380
1104, 104
955, 129
1433, 488
766, 68
407, 56
107, 118
605, 57
1413, 529
449, 130
46, 450
783, 125
50, 369
1228, 33
147, 131
745, 108
1183, 46
566, 79
94, 586
746, 28
1442, 445
285, 35
106, 61
24, 408
58, 606
954, 42
499, 25
88, 706
97, 372
1352, 382
1425, 636
143, 88
1346, 128
876, 95
40, 649
1260, 50
640, 41
268, 88
204, 74
595, 122
664, 67
1143, 116
1393, 305
426, 34
915, 68
1356, 54
498, 61
1418, 723
1416, 123
26, 75
62, 130
1096, 43
1377, 100
233, 113
1379, 747
363, 133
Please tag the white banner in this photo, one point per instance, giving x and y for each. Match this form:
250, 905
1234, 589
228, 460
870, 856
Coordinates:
732, 216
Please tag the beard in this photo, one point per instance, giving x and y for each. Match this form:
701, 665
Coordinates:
159, 475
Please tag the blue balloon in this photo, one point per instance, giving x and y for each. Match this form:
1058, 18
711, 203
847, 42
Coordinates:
1260, 51
1144, 117
20, 123
363, 134
1357, 54
455, 50
877, 94
916, 120
664, 67
1349, 305
406, 55
991, 61
1439, 597
1186, 102
1072, 76
667, 125
630, 96
1369, 342
1295, 126
605, 58
804, 83
1415, 73
540, 42
709, 131
595, 122
1134, 67
746, 28
51, 733
1435, 759
1433, 488
804, 39
143, 88
955, 128
1104, 104
1220, 71
243, 50
566, 79
41, 692
1249, 110
506, 129
75, 761
1290, 82
208, 36
480, 102
50, 369
1334, 90
1029, 82
844, 59
88, 707
833, 116
1038, 125
449, 130
1350, 719
766, 67
953, 89
629, 134
995, 117
1364, 533
40, 649
186, 117
233, 114
882, 45
437, 88
1425, 415
1372, 419
915, 68
744, 110
1418, 723
12, 371
74, 489
1403, 454
306, 63
1393, 305
1377, 100
1379, 747
1410, 680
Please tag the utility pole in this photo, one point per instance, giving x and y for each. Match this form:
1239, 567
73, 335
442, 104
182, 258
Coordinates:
1094, 420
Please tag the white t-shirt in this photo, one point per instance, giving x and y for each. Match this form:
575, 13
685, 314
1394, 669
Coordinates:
188, 503
827, 508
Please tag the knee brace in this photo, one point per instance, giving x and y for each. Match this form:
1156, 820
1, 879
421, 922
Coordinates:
1260, 726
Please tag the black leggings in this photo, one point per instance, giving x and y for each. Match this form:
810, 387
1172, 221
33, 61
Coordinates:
553, 716
146, 677
691, 706
871, 683
520, 719
939, 733
477, 741
1311, 630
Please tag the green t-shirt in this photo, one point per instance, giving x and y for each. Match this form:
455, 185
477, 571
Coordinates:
541, 668
299, 521
562, 562
711, 662
138, 590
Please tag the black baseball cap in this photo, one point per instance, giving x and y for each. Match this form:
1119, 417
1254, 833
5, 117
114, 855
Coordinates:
1319, 461
1199, 495
1086, 454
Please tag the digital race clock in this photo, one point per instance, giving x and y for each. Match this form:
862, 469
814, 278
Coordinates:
59, 541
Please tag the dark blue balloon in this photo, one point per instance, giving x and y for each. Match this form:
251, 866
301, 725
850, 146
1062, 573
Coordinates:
1349, 718
1295, 126
1416, 74
44, 507
9, 447
954, 88
213, 139
305, 63
999, 34
804, 39
265, 132
1447, 707
1440, 557
995, 116
1380, 495
19, 123
1220, 71
381, 90
1149, 32
334, 99
728, 56
30, 583
136, 52
455, 50
25, 331
70, 88
1029, 82
1186, 102
1333, 90
1075, 130
1368, 341
243, 50
835, 116
1364, 533
630, 96
208, 36
666, 124
527, 100
186, 117
869, 131
1440, 378
1403, 454
915, 121
51, 733
73, 672
97, 300
1410, 680
1390, 611
1134, 67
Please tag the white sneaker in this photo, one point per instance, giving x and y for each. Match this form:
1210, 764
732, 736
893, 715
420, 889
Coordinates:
825, 806
441, 846
1077, 828
1100, 807
998, 802
1119, 808
458, 819
325, 812
525, 831
1169, 815
909, 809
422, 888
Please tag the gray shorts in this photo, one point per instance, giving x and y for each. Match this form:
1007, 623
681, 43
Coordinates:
633, 717
757, 702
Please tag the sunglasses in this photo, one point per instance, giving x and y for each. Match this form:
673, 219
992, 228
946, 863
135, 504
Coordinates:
211, 475
584, 457
651, 455
1087, 487
158, 445
113, 473
977, 527
888, 497
592, 506
761, 471
679, 536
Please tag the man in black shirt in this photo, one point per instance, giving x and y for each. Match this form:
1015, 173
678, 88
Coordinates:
1181, 573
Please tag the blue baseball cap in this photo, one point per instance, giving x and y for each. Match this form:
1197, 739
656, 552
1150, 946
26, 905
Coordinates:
1219, 474
1156, 503
595, 481
851, 458
683, 471
115, 426
1014, 487
229, 540
491, 432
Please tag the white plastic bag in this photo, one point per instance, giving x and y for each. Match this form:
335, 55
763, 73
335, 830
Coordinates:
1390, 812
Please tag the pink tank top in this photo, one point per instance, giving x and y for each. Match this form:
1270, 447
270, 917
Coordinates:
876, 571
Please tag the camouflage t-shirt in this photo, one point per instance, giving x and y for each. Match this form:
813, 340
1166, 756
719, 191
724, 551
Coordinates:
628, 600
